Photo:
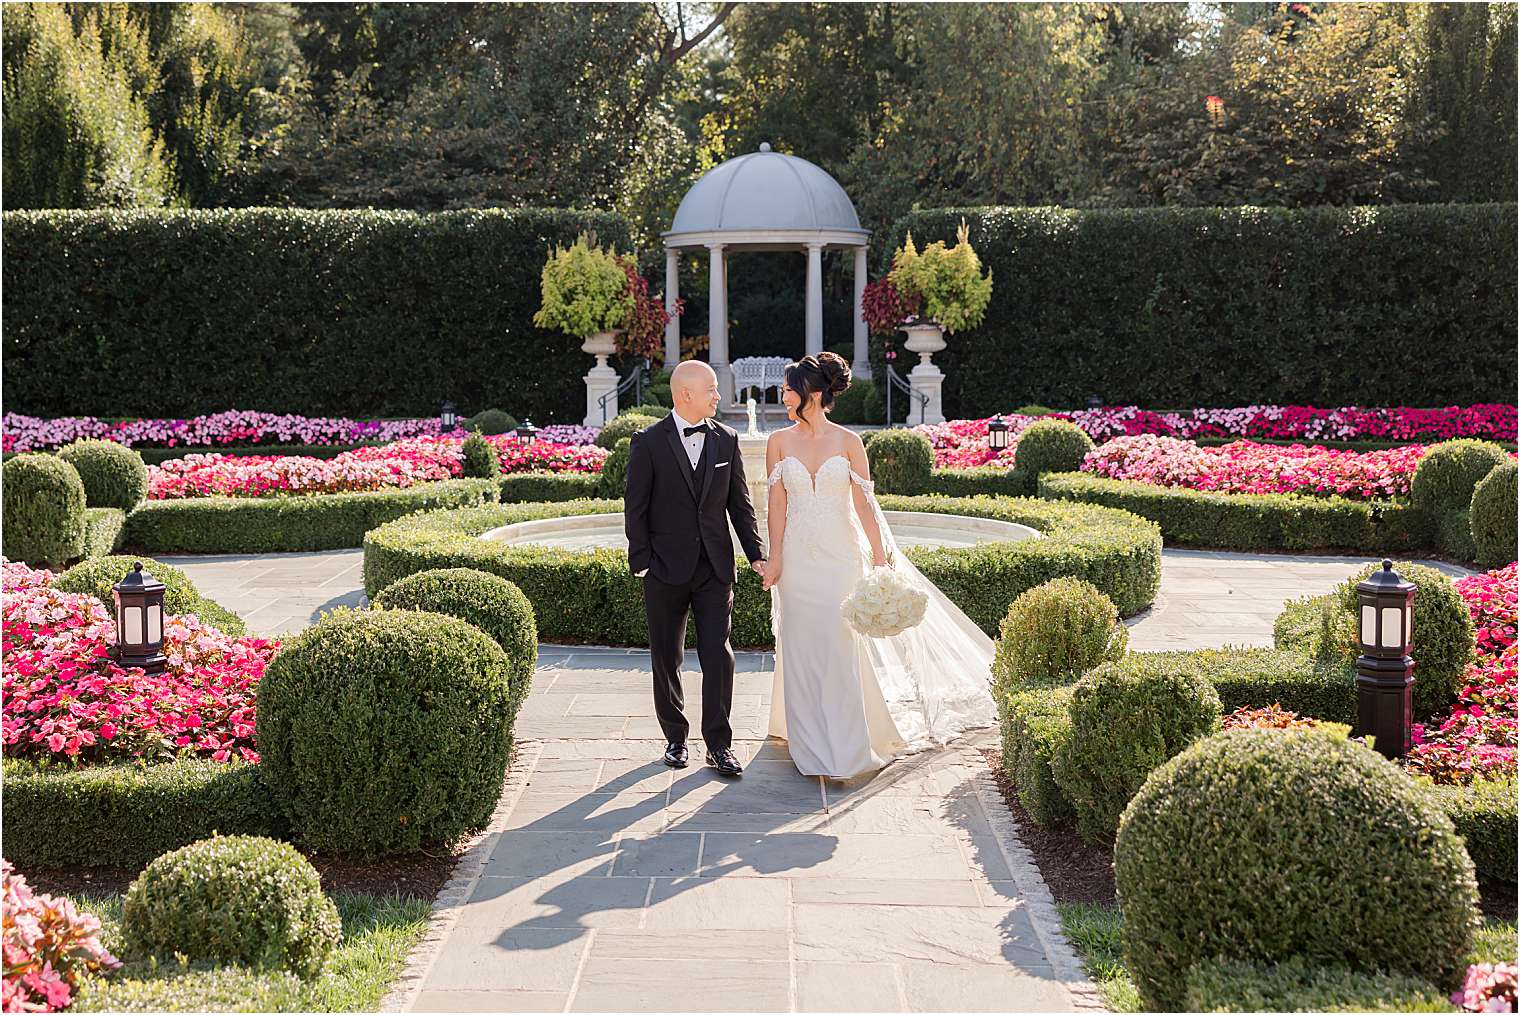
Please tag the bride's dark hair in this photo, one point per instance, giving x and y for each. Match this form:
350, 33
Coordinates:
826, 373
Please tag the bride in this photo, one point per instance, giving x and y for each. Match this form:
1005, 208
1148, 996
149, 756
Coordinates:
845, 703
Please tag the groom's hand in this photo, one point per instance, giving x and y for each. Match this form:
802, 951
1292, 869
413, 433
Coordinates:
758, 566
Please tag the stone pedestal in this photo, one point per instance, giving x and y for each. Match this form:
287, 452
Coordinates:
926, 379
600, 379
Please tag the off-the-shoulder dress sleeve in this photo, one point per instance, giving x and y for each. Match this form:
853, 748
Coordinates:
775, 476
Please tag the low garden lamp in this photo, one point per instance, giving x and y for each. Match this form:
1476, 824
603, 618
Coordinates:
448, 416
526, 432
1384, 671
997, 434
1094, 402
140, 620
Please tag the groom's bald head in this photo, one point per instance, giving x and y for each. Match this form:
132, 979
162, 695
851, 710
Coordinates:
694, 389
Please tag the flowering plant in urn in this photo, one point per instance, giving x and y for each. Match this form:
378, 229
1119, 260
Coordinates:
884, 603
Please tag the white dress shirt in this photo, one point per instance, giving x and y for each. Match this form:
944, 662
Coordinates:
693, 446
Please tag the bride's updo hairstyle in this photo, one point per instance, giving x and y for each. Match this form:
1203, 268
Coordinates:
827, 373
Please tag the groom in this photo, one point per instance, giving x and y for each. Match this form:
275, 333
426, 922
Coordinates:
685, 481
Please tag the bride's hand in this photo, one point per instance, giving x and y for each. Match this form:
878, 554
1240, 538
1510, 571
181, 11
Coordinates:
880, 559
772, 573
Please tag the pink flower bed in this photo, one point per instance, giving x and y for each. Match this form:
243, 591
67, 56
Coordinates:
1488, 987
49, 946
544, 456
31, 433
1248, 467
65, 697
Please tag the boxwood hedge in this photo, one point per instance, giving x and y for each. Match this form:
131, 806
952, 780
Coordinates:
589, 597
103, 530
274, 524
1222, 985
1485, 817
540, 487
125, 815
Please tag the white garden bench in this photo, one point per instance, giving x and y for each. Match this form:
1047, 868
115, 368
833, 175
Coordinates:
760, 373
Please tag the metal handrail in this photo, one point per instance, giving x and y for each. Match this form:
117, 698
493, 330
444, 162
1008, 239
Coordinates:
635, 377
895, 380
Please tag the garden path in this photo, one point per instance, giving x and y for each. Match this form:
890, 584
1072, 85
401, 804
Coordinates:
608, 882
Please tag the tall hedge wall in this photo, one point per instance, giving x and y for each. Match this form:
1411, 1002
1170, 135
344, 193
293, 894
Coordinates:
1409, 304
352, 313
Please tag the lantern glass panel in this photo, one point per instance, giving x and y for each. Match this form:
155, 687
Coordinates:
132, 626
155, 624
1369, 626
1393, 619
1408, 623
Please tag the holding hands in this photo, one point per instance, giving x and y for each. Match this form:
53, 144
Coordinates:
770, 573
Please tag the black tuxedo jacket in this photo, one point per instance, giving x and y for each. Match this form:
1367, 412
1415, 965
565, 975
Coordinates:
669, 509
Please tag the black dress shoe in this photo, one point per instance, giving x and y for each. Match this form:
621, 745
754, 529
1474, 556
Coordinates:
725, 762
675, 755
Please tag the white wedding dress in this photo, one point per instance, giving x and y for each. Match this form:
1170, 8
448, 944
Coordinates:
845, 703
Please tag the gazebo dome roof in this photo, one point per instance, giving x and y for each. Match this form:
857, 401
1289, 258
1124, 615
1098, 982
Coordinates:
765, 191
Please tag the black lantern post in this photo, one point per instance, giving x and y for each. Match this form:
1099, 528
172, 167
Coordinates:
526, 432
1384, 671
140, 620
997, 434
1094, 402
448, 416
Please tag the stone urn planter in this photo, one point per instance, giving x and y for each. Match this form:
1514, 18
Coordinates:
601, 379
926, 379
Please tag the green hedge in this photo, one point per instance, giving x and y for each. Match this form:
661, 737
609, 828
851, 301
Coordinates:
274, 524
1220, 985
540, 487
1036, 725
589, 597
1252, 522
1485, 817
1262, 676
367, 313
991, 480
1178, 291
124, 816
103, 530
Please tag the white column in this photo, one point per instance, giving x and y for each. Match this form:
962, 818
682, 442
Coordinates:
814, 334
717, 322
861, 367
672, 293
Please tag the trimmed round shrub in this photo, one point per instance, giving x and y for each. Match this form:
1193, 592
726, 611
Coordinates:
902, 461
44, 506
491, 422
235, 898
489, 602
96, 576
1126, 719
1445, 478
384, 731
1033, 410
1297, 985
625, 425
857, 404
1051, 445
481, 460
1493, 516
1056, 632
614, 475
658, 411
113, 475
1264, 845
1442, 643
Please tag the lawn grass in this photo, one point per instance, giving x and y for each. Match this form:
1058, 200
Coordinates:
378, 932
1094, 931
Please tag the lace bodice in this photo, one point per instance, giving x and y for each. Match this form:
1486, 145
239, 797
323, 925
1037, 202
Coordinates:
820, 518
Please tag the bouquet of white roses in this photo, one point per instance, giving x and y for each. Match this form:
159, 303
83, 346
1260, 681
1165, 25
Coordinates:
884, 603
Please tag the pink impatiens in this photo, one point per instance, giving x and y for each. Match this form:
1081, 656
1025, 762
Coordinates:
49, 945
1488, 987
222, 429
66, 698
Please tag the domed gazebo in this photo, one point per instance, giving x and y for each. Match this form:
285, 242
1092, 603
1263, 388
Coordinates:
764, 201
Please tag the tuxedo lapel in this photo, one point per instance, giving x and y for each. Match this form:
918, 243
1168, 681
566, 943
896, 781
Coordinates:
706, 460
683, 464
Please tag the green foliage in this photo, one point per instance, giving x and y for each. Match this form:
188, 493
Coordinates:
1035, 727
236, 898
87, 301
585, 290
210, 612
44, 510
902, 461
1314, 846
624, 424
125, 815
1493, 516
532, 487
1033, 410
1223, 985
1056, 631
991, 480
481, 460
1251, 522
1484, 815
659, 411
95, 577
1453, 534
491, 422
1127, 719
859, 403
949, 280
114, 476
103, 529
589, 597
614, 474
1262, 676
1445, 478
1051, 445
282, 524
1149, 282
489, 602
386, 731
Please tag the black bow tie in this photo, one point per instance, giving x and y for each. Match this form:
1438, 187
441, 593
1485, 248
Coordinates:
687, 431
